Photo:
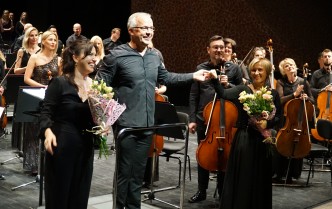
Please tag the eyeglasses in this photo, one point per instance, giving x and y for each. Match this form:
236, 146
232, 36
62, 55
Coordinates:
146, 28
216, 47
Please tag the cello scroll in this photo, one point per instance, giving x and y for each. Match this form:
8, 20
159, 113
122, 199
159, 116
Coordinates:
273, 81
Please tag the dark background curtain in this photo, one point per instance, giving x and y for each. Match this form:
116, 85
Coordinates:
299, 29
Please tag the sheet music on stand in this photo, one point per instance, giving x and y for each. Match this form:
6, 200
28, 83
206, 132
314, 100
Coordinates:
38, 93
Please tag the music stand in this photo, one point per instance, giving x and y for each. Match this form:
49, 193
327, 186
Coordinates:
27, 110
13, 84
25, 103
165, 113
166, 124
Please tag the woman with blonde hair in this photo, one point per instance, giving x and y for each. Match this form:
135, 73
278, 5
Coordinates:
44, 65
100, 53
41, 68
290, 86
248, 183
29, 47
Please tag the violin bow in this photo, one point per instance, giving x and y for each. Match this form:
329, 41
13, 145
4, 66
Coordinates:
252, 48
5, 77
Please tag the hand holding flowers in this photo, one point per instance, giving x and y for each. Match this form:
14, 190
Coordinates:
105, 111
259, 106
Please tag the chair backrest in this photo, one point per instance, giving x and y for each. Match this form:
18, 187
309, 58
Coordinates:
183, 118
172, 144
324, 128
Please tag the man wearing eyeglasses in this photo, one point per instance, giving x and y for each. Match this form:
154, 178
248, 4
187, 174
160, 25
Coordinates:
133, 70
201, 94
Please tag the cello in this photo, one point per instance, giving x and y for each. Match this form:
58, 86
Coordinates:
293, 140
157, 140
324, 100
212, 152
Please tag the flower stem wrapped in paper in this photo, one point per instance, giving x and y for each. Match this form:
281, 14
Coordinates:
260, 108
105, 111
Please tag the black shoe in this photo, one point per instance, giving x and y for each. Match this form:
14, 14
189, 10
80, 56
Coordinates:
2, 177
199, 196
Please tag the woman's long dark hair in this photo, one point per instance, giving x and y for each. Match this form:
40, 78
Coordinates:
68, 64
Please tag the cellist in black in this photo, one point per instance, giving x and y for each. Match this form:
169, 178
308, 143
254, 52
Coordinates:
290, 86
203, 93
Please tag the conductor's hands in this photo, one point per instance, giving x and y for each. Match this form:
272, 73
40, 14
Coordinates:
213, 74
201, 75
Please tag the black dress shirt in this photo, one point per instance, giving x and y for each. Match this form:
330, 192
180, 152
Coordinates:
74, 37
134, 78
109, 44
319, 80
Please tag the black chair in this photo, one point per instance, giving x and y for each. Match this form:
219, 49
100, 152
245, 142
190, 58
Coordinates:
173, 126
318, 151
174, 148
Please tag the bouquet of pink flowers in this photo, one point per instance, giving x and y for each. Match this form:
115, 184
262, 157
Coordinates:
105, 111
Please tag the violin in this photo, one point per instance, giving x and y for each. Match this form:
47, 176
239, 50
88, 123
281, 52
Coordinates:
157, 140
213, 152
293, 140
3, 104
273, 81
324, 100
49, 74
234, 58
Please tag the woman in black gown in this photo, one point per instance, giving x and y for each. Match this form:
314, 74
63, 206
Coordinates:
248, 183
65, 117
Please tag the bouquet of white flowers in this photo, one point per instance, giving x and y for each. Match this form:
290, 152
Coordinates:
105, 111
259, 106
